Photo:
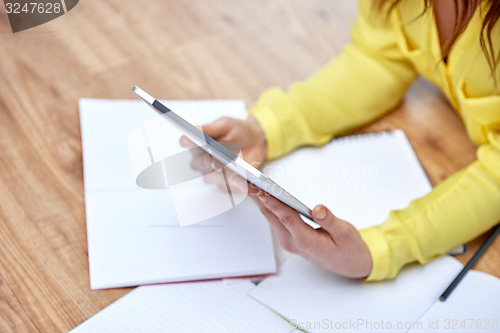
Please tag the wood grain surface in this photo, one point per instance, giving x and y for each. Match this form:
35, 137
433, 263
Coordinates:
182, 49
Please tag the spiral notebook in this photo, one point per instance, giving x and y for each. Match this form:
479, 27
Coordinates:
361, 178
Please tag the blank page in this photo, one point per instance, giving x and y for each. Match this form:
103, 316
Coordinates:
319, 301
134, 236
216, 306
474, 306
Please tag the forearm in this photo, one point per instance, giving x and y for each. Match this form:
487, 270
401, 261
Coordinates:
368, 79
456, 211
339, 98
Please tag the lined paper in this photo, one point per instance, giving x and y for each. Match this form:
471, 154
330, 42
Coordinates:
359, 178
319, 301
474, 306
216, 306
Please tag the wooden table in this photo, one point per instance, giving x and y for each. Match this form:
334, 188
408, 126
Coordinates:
183, 49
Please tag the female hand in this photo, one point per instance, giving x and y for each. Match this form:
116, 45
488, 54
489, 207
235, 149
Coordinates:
336, 247
246, 134
243, 137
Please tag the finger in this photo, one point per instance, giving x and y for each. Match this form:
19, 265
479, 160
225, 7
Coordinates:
230, 182
278, 228
236, 183
253, 191
185, 142
231, 146
302, 233
216, 164
339, 230
201, 161
218, 128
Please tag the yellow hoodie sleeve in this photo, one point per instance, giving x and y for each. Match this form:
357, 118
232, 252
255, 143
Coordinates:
368, 79
463, 206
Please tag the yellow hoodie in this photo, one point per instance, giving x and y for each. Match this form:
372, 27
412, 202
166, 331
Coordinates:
367, 80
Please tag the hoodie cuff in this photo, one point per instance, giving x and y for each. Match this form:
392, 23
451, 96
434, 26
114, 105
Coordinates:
379, 250
272, 130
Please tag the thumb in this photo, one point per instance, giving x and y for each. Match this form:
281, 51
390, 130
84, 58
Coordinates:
337, 228
218, 128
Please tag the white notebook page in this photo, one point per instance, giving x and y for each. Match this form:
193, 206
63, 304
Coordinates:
318, 301
134, 236
473, 306
215, 306
360, 178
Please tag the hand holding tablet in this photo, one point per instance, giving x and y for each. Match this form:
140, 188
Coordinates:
223, 155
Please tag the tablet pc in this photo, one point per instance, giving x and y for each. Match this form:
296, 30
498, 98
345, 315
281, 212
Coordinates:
225, 156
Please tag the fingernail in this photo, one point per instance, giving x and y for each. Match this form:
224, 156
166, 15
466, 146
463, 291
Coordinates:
320, 213
262, 197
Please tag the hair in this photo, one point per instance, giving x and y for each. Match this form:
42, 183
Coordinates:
463, 14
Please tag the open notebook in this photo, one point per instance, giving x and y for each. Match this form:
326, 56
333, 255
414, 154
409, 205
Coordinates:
318, 301
134, 234
303, 296
474, 306
361, 178
212, 306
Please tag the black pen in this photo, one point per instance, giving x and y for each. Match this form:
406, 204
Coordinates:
469, 265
